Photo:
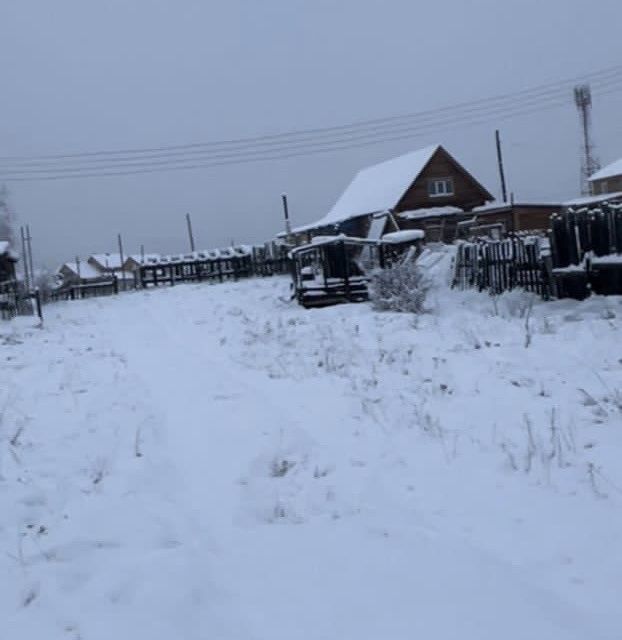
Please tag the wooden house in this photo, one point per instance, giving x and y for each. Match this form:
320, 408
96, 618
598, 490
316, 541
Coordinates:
133, 262
76, 273
427, 180
111, 264
607, 180
105, 262
8, 260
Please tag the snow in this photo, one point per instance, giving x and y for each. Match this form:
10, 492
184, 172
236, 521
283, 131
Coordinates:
407, 235
376, 227
86, 270
502, 206
249, 470
419, 214
612, 258
376, 188
326, 239
4, 247
611, 170
146, 259
107, 260
587, 200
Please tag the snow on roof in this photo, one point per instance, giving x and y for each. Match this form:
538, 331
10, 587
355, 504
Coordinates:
87, 271
406, 235
107, 260
376, 188
148, 257
4, 246
505, 206
418, 214
611, 170
578, 202
318, 241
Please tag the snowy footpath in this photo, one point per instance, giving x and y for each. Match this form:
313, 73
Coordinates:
215, 463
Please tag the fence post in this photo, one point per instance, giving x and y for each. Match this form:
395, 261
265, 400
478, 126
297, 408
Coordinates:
38, 303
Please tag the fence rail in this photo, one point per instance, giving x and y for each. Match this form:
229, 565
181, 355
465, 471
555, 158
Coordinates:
257, 263
219, 270
87, 290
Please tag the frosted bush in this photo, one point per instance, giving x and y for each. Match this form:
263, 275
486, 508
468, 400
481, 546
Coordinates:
402, 288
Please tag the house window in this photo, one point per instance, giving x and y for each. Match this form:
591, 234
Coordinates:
440, 187
604, 187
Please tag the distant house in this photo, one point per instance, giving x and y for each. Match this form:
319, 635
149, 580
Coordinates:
608, 179
8, 260
426, 182
132, 263
110, 264
99, 267
74, 273
105, 262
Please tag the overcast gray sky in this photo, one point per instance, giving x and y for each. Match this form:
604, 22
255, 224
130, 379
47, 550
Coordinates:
82, 75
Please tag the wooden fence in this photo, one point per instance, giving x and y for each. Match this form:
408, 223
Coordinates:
586, 247
87, 290
215, 266
501, 265
217, 269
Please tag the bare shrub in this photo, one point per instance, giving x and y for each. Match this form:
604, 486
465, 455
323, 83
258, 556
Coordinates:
279, 467
402, 288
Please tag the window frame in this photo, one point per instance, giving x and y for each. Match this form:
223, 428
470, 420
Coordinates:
433, 191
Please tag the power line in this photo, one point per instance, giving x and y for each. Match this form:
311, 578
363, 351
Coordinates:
604, 74
478, 112
264, 157
285, 144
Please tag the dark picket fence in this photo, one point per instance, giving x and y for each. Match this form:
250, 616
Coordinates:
586, 248
209, 266
218, 269
516, 262
87, 290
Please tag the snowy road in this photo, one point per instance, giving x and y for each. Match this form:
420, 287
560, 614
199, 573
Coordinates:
175, 465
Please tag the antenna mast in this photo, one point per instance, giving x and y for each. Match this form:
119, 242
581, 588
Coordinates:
589, 163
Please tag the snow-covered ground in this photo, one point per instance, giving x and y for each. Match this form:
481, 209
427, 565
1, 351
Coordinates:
214, 462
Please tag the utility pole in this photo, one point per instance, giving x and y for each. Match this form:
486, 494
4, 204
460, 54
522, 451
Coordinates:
504, 193
142, 254
120, 261
589, 163
25, 258
29, 249
288, 227
190, 234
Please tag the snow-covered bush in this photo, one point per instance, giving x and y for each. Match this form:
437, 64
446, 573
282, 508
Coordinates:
402, 288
